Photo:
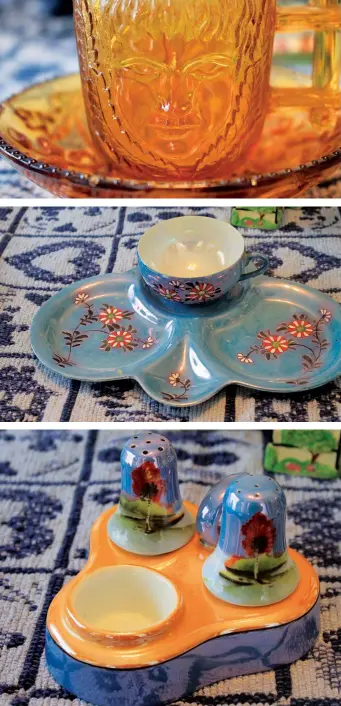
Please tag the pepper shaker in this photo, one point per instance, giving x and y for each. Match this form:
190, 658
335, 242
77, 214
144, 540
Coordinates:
250, 565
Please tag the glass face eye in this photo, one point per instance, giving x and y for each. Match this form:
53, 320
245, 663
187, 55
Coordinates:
210, 70
142, 68
209, 67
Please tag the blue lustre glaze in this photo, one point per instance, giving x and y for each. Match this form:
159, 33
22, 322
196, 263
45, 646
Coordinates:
261, 335
244, 498
210, 509
151, 518
151, 449
202, 290
250, 565
219, 658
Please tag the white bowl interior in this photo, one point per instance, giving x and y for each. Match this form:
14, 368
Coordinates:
190, 246
123, 599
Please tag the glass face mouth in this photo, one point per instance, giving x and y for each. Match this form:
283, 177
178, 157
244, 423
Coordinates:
173, 127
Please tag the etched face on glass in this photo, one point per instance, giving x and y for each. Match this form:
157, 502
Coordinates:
173, 96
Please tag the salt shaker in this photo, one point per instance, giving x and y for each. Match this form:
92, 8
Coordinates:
151, 518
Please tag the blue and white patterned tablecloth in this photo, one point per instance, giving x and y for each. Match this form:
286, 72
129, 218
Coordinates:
53, 485
35, 47
44, 249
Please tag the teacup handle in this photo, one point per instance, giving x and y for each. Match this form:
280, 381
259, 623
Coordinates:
261, 264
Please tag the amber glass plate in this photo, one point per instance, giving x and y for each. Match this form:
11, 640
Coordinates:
44, 134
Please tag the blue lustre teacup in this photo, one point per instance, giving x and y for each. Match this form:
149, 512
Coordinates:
195, 259
250, 565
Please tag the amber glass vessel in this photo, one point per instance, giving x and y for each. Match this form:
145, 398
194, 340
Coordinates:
175, 89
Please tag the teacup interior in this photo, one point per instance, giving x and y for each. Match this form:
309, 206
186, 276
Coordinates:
190, 246
123, 599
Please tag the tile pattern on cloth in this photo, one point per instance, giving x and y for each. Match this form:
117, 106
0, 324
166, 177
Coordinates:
36, 47
44, 249
47, 506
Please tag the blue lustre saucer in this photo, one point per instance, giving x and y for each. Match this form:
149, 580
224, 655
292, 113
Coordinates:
272, 335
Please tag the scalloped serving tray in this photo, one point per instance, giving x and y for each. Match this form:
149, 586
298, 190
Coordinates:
273, 335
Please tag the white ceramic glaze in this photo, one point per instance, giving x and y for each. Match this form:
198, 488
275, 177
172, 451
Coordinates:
123, 600
190, 246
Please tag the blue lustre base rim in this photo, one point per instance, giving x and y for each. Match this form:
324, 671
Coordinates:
257, 650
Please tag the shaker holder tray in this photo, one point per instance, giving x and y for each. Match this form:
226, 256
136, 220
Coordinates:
210, 640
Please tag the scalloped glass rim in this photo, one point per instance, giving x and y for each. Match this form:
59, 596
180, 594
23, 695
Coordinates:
23, 160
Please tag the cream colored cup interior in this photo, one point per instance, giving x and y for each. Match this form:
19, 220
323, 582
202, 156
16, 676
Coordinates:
190, 246
123, 599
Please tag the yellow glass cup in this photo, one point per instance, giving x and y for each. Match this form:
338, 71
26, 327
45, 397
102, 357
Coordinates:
175, 90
